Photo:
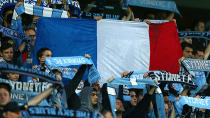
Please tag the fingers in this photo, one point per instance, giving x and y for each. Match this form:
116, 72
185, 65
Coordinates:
110, 79
124, 74
147, 21
87, 56
137, 19
181, 59
75, 70
146, 75
34, 67
156, 82
19, 4
98, 18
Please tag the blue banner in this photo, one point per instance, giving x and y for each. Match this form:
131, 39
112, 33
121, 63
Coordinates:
22, 92
49, 77
196, 64
194, 34
163, 76
173, 78
103, 15
37, 11
93, 75
156, 4
196, 102
131, 83
13, 33
51, 112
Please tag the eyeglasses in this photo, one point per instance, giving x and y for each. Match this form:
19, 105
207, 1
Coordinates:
32, 36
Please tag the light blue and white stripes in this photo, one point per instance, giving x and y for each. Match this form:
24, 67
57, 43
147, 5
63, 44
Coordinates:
37, 11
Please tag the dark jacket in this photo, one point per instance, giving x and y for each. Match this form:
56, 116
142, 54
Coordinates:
72, 98
140, 110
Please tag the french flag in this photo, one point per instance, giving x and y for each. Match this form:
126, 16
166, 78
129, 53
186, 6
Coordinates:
115, 46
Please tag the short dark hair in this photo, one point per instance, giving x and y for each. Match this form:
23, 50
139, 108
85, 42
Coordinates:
6, 86
185, 44
40, 52
105, 111
8, 8
8, 18
137, 91
29, 27
5, 46
197, 49
197, 21
5, 39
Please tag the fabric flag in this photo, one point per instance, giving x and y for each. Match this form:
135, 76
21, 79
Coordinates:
115, 46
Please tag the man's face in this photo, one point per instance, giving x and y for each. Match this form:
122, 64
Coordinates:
199, 55
97, 86
187, 52
13, 76
7, 54
119, 105
31, 34
4, 96
165, 98
94, 98
46, 53
133, 96
166, 109
201, 26
108, 115
10, 114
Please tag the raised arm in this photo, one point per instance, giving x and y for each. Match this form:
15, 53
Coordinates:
37, 99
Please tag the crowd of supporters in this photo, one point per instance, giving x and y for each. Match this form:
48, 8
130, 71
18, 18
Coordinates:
93, 97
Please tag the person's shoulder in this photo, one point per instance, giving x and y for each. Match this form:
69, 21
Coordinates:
126, 104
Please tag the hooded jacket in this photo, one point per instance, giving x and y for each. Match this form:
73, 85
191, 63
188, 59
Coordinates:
86, 104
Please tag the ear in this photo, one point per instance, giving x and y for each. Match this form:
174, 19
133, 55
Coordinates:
0, 53
39, 58
7, 75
